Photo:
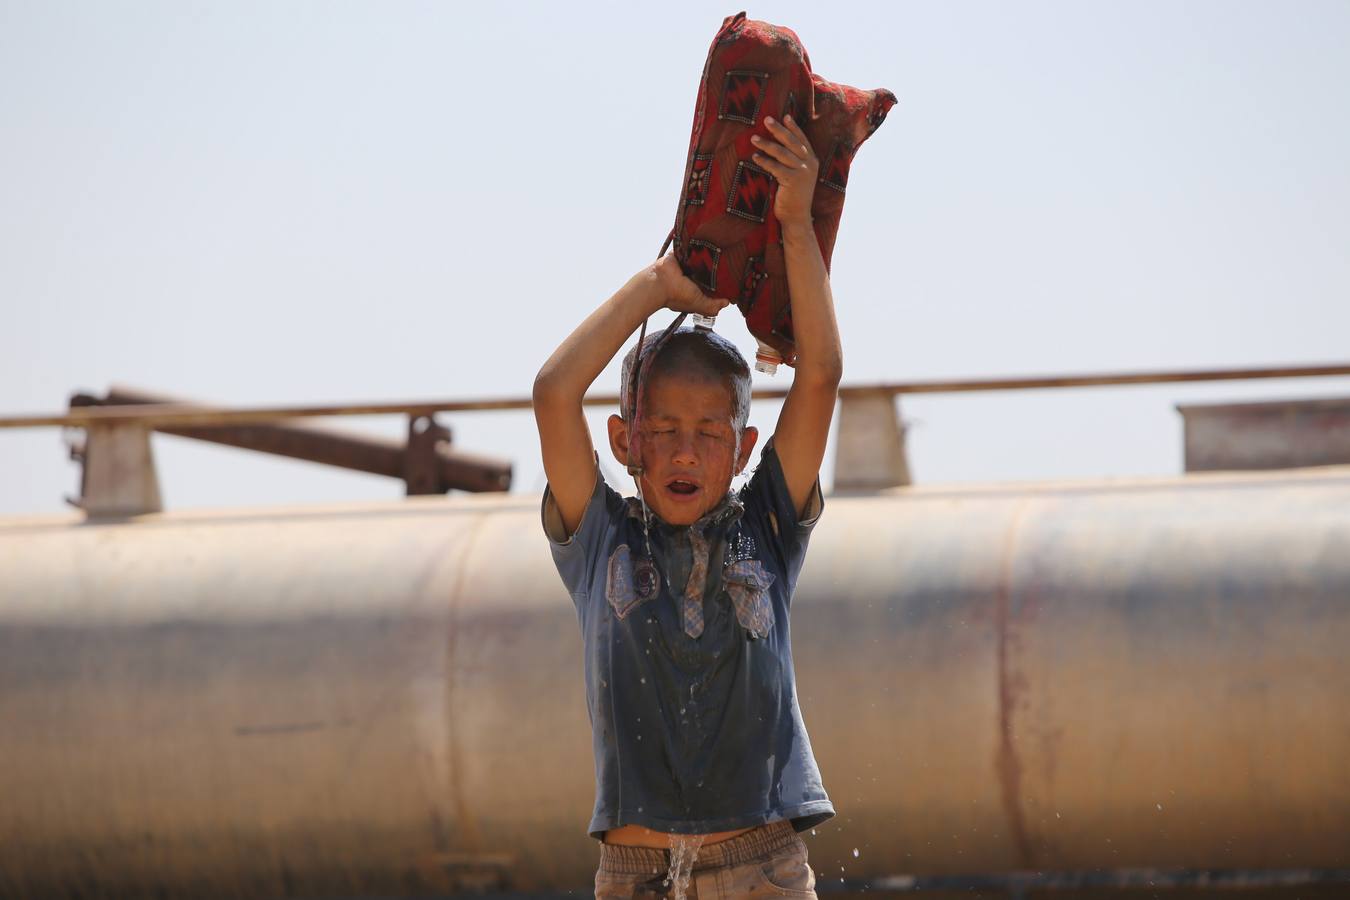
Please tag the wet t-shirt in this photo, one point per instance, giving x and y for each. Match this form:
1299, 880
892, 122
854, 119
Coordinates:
691, 690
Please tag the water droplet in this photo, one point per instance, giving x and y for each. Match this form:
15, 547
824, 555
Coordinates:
855, 852
1056, 815
1159, 806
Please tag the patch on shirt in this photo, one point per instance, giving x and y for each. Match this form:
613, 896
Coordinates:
747, 582
630, 582
741, 546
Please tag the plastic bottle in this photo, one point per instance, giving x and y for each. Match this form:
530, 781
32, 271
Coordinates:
767, 359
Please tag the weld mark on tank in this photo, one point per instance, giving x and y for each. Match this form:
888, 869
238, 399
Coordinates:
1006, 763
279, 728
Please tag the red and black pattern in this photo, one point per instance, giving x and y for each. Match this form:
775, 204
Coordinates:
751, 194
752, 283
742, 94
734, 250
701, 264
834, 170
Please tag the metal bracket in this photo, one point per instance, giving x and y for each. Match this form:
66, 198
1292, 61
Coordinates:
421, 465
118, 475
870, 454
1280, 434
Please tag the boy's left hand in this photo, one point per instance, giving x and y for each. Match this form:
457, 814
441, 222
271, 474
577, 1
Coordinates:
788, 157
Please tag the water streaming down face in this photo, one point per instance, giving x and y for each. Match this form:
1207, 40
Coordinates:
683, 851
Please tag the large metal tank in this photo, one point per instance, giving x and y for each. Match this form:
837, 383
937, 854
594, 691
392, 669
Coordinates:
388, 698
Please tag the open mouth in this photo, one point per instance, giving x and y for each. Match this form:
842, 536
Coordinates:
681, 487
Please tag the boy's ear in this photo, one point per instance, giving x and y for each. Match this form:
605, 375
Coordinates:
748, 438
618, 439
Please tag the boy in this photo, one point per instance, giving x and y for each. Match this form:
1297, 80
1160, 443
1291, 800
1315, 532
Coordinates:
702, 759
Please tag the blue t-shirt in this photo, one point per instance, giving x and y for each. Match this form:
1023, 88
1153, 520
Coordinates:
693, 734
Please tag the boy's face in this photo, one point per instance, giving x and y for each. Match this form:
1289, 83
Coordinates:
690, 445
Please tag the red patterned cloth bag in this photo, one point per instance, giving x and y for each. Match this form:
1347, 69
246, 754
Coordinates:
726, 237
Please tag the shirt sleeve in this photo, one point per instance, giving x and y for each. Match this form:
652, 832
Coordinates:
575, 555
766, 497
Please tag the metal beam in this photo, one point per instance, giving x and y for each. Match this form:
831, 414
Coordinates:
193, 414
427, 463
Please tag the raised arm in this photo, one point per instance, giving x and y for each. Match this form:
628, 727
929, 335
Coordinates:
569, 456
804, 423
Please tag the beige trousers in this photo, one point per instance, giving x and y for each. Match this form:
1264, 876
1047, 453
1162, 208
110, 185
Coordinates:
768, 861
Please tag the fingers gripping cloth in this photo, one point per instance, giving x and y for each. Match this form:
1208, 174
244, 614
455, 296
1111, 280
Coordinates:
726, 237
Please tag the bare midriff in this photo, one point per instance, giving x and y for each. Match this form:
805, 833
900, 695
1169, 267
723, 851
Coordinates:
642, 836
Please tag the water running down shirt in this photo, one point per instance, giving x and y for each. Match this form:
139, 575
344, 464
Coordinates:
691, 734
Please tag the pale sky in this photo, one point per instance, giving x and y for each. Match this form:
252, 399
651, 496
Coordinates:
303, 202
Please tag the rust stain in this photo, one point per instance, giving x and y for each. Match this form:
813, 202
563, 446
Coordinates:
468, 825
1007, 765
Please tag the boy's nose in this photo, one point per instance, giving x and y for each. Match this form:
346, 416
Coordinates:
685, 454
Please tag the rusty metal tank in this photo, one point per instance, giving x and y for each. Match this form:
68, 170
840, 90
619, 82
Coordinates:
387, 698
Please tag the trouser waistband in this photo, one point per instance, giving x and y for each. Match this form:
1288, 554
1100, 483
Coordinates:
616, 859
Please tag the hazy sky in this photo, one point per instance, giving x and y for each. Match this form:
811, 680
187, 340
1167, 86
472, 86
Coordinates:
285, 202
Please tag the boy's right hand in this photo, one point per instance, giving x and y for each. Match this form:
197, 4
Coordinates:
682, 295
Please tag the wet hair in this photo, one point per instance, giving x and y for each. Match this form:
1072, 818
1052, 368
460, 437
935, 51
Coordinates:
696, 353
